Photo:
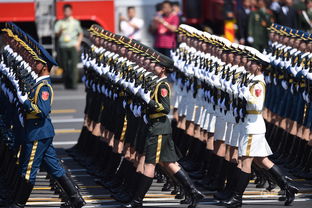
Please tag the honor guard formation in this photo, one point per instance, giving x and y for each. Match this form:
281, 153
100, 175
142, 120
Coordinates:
26, 129
212, 112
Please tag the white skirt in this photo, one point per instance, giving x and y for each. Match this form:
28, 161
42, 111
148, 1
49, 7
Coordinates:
199, 114
203, 117
177, 95
191, 109
254, 145
177, 101
182, 106
220, 129
228, 133
235, 135
210, 123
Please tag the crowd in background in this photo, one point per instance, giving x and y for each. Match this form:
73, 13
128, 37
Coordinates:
163, 26
250, 17
254, 16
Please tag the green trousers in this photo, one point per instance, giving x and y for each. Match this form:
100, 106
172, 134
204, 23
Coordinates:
69, 59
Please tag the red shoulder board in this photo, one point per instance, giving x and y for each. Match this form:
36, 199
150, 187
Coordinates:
258, 92
164, 92
45, 95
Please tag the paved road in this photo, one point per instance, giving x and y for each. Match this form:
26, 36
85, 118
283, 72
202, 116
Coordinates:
68, 117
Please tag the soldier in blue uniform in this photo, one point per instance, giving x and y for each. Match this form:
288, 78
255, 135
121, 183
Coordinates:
37, 148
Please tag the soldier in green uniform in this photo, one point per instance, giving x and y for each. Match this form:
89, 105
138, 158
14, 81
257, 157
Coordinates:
159, 147
258, 22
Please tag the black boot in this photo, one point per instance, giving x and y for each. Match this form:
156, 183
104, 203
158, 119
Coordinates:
211, 160
71, 190
237, 199
144, 184
189, 187
218, 175
22, 194
232, 178
261, 179
283, 183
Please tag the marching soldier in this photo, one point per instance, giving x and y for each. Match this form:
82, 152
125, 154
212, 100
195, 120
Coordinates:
36, 146
253, 143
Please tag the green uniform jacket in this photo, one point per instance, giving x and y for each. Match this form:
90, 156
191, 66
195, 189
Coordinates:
158, 109
258, 22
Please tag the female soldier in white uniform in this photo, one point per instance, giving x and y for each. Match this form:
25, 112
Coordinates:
253, 145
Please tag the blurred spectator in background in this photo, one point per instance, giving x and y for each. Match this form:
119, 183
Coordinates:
257, 27
308, 15
131, 26
69, 33
163, 27
177, 11
287, 15
242, 17
300, 6
253, 5
275, 7
303, 8
158, 8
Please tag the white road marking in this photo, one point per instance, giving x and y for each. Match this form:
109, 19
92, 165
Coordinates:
62, 117
45, 203
69, 120
64, 143
70, 97
77, 170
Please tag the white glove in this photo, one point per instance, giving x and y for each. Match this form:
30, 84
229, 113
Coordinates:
250, 39
284, 84
124, 103
117, 77
21, 119
11, 97
145, 119
131, 86
141, 92
83, 78
22, 98
275, 81
139, 111
222, 104
136, 89
241, 113
246, 93
147, 97
135, 111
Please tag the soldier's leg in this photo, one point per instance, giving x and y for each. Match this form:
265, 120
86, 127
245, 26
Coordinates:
282, 181
183, 178
30, 160
223, 151
242, 182
74, 57
64, 58
196, 145
54, 168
